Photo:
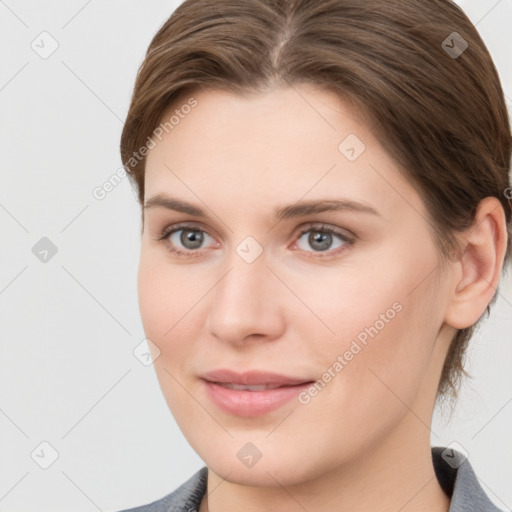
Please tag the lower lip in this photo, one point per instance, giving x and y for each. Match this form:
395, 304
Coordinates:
252, 403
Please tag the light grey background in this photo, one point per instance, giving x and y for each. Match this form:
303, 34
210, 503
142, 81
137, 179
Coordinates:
68, 375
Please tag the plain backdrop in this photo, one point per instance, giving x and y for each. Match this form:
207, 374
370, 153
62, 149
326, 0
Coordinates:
74, 396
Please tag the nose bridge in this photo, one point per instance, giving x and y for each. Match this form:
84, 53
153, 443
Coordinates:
244, 300
243, 287
248, 274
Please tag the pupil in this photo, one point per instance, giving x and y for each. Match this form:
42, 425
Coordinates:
320, 241
191, 239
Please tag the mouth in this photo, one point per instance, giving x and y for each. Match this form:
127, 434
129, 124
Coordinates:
242, 387
252, 379
253, 393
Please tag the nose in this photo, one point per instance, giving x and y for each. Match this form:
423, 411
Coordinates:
246, 303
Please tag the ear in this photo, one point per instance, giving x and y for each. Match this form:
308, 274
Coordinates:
477, 273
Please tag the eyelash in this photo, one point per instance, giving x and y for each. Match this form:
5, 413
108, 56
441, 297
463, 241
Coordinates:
319, 228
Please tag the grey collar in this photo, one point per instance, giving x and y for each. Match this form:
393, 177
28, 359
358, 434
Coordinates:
453, 471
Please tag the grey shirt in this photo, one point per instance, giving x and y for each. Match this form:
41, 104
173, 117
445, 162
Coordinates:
453, 471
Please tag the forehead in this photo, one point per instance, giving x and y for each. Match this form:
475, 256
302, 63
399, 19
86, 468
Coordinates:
289, 142
219, 112
279, 116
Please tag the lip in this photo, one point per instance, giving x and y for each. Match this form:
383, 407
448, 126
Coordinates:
252, 378
248, 403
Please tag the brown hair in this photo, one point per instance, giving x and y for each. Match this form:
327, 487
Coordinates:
417, 69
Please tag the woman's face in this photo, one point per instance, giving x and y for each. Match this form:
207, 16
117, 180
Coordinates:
359, 310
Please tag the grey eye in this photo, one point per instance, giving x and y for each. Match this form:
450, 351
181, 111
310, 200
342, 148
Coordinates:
189, 238
320, 240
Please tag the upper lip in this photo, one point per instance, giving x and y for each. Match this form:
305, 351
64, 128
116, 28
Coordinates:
252, 378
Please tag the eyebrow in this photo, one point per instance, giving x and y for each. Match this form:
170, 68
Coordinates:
282, 212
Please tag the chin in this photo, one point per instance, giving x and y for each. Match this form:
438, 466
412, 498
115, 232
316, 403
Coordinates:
271, 464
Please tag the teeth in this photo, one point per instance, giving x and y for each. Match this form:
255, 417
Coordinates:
261, 387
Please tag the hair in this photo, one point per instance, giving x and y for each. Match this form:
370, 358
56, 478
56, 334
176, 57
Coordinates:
417, 70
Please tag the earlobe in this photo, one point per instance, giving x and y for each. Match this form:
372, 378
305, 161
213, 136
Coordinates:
479, 267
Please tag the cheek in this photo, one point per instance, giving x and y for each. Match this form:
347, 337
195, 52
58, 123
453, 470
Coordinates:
383, 321
155, 297
167, 291
165, 301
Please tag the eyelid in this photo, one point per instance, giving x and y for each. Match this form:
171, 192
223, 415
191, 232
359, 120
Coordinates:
167, 230
342, 233
172, 228
300, 230
323, 226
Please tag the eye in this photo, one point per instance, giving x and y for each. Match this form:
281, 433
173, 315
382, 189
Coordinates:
191, 238
321, 239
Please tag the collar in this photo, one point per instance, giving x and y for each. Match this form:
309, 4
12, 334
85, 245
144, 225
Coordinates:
453, 471
459, 481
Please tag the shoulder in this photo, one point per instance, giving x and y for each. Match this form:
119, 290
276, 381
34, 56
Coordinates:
186, 498
459, 481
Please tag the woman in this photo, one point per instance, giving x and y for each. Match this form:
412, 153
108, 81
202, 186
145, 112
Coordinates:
324, 222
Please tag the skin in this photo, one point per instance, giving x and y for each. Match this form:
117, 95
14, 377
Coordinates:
363, 443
